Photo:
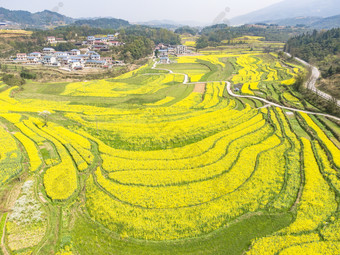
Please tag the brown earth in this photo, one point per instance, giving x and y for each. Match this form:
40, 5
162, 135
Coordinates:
200, 88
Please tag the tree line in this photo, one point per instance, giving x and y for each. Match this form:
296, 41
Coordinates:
320, 48
215, 35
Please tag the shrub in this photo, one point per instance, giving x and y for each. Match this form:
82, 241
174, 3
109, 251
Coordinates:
13, 80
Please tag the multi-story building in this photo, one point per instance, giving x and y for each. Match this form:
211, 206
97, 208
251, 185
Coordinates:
60, 54
21, 57
163, 53
50, 61
48, 51
108, 60
74, 52
33, 61
95, 63
91, 40
75, 64
164, 60
65, 61
181, 50
111, 37
35, 55
51, 39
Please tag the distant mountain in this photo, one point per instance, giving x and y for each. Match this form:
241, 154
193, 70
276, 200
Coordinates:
290, 9
311, 22
168, 24
307, 21
44, 18
110, 23
49, 18
327, 23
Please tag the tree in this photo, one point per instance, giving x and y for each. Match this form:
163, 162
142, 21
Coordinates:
45, 115
299, 81
186, 30
26, 74
202, 42
13, 80
64, 47
330, 71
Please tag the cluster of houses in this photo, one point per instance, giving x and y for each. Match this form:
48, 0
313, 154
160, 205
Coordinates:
92, 42
163, 51
102, 43
73, 59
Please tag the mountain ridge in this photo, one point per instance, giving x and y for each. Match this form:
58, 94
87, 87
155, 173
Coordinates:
290, 9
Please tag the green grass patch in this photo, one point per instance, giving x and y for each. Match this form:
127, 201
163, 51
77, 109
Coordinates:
90, 238
299, 131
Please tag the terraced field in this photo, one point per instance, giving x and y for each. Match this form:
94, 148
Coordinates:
144, 164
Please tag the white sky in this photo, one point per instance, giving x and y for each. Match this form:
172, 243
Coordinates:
204, 11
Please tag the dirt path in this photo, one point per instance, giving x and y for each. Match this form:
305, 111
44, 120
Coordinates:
3, 247
12, 197
186, 77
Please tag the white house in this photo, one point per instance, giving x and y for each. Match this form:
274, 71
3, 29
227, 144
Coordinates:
114, 43
95, 63
95, 57
60, 54
50, 61
91, 39
65, 61
108, 60
77, 58
111, 37
181, 49
21, 57
74, 52
75, 63
48, 51
163, 53
51, 39
164, 60
33, 61
35, 55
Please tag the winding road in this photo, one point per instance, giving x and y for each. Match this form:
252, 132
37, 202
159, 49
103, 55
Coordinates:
315, 75
277, 105
311, 83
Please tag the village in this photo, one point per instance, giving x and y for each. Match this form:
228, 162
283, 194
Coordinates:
88, 55
75, 59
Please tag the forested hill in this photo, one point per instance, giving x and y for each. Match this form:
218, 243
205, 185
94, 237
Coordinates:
109, 23
323, 50
315, 46
25, 18
47, 18
216, 35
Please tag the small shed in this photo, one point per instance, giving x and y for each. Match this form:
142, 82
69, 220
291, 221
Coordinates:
238, 87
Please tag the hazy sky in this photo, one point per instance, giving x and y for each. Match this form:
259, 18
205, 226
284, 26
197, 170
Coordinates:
144, 10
